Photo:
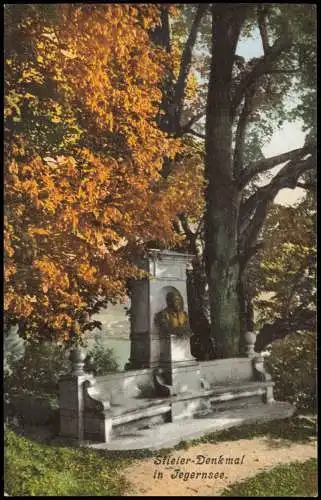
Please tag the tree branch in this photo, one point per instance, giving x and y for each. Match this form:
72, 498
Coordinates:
260, 201
193, 132
244, 257
307, 185
161, 33
262, 66
260, 166
261, 19
186, 128
188, 232
186, 64
241, 131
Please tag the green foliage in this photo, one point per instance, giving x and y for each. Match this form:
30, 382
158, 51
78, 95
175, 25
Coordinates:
282, 276
39, 370
292, 364
295, 479
100, 359
33, 469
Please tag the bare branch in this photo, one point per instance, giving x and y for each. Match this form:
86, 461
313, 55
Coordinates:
241, 131
262, 66
260, 202
185, 225
161, 33
186, 128
267, 163
193, 132
307, 185
261, 18
186, 63
177, 226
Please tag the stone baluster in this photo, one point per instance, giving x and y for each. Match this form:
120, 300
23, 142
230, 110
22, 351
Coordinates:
77, 357
71, 396
250, 338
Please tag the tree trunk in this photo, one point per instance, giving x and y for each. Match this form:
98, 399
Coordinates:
222, 195
246, 313
222, 272
201, 343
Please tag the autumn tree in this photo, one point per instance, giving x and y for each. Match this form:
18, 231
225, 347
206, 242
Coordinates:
83, 156
245, 99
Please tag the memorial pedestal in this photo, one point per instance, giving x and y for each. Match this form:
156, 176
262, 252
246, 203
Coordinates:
166, 273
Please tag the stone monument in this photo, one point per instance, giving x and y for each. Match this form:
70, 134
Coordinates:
167, 274
160, 331
163, 384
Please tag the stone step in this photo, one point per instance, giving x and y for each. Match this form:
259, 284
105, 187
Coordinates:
169, 434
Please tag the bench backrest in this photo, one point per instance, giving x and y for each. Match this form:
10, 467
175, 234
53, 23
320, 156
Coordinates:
228, 370
119, 386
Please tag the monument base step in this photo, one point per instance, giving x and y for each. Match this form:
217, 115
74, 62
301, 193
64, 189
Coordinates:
170, 434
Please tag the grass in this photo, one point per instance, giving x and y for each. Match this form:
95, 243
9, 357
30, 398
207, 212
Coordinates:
298, 479
36, 469
278, 432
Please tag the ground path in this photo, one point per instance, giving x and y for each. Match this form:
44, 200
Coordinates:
249, 456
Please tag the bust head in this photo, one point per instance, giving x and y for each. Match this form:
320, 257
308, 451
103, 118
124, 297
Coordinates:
175, 301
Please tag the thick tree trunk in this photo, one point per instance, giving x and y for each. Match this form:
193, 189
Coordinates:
222, 271
202, 346
222, 195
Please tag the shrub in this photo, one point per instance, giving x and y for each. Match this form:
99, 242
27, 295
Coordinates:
100, 359
32, 384
39, 370
292, 364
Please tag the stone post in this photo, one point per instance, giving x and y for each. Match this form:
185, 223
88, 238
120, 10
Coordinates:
71, 398
263, 375
250, 339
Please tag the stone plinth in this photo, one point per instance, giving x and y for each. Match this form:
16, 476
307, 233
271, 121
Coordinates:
72, 406
167, 272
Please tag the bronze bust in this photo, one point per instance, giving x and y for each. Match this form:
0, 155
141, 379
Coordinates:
173, 320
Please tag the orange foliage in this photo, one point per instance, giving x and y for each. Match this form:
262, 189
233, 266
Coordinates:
83, 190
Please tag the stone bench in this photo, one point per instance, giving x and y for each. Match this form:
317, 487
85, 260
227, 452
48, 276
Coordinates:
99, 408
122, 398
236, 378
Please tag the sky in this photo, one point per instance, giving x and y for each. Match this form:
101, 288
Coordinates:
289, 136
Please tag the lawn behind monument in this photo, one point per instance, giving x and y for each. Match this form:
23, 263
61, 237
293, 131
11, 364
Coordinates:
34, 468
